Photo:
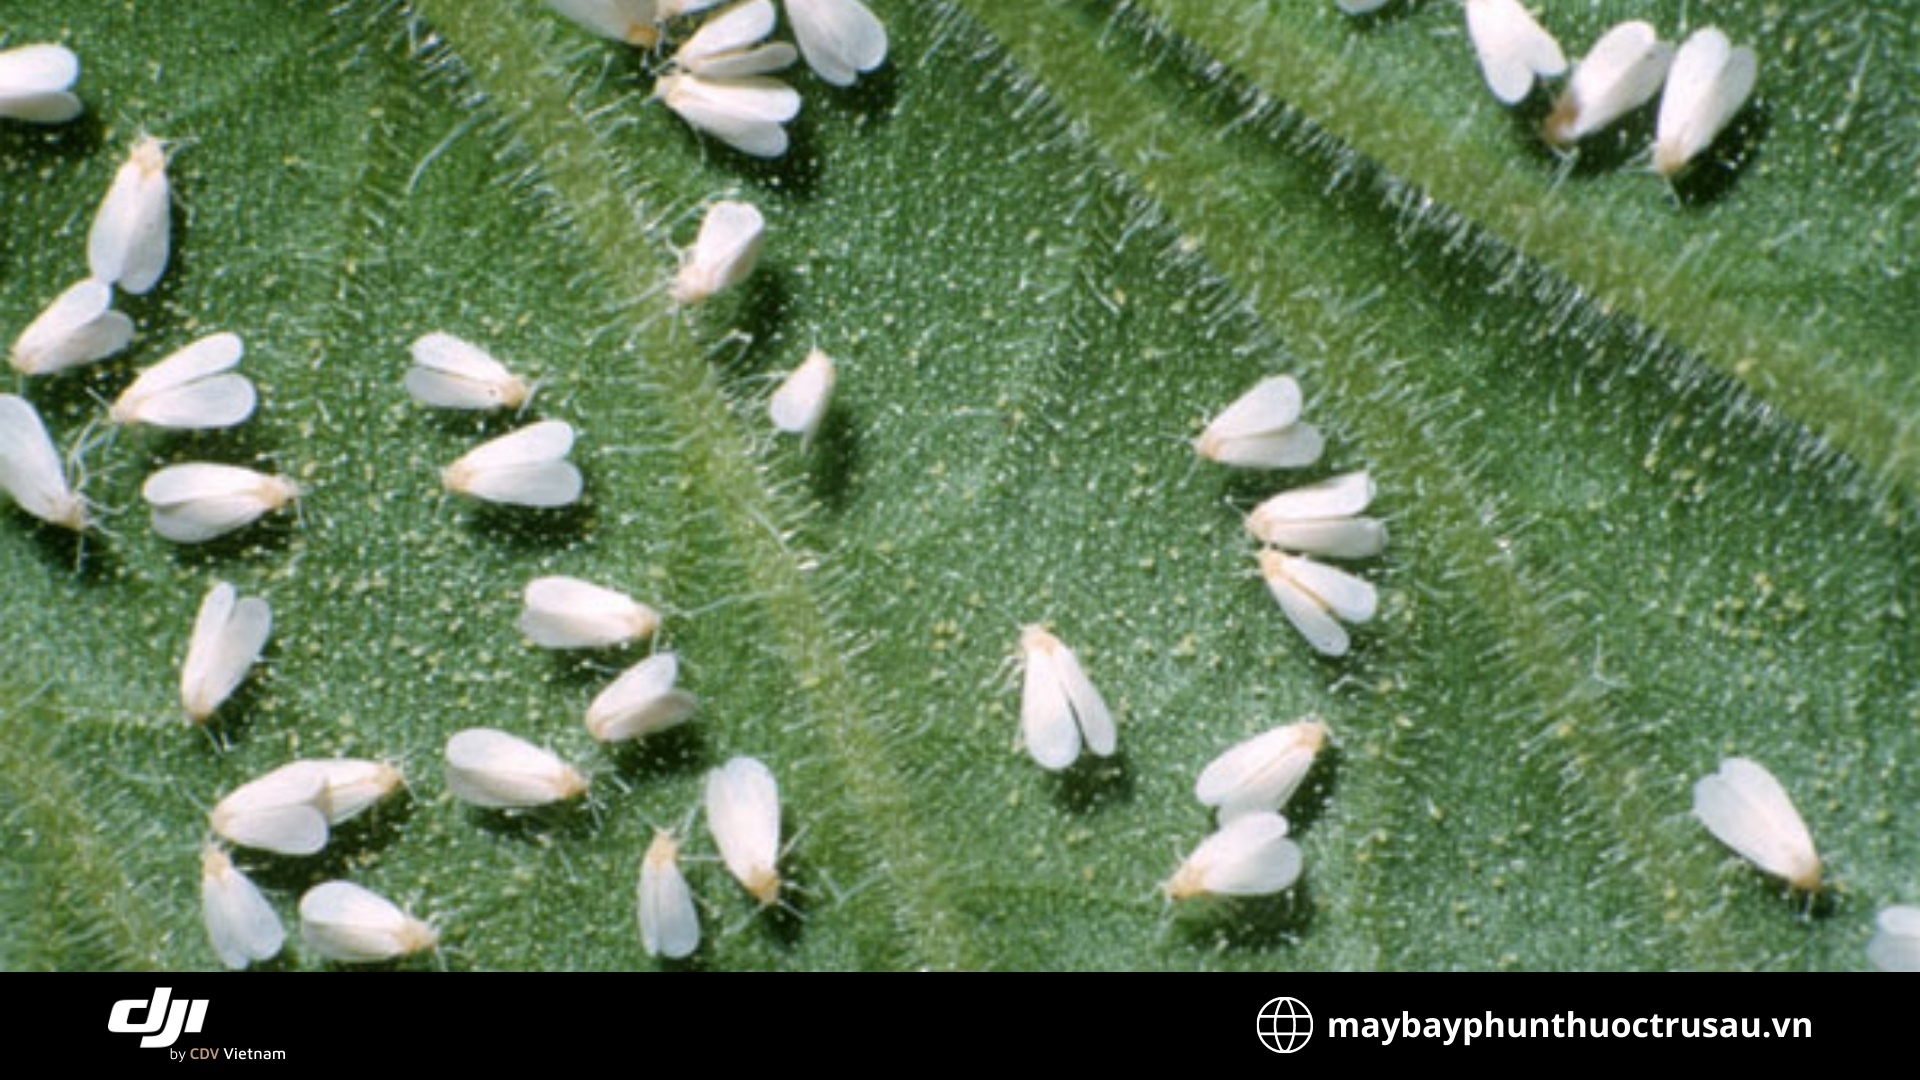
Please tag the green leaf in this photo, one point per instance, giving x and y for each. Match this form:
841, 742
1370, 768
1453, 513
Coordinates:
1648, 459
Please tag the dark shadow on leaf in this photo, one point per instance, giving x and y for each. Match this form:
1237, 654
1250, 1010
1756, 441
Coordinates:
150, 449
1527, 118
1622, 145
872, 98
1094, 783
586, 667
1720, 167
787, 920
268, 536
67, 401
796, 173
568, 820
1258, 923
86, 556
1248, 488
834, 459
280, 961
480, 426
1310, 801
235, 717
379, 826
677, 751
426, 961
527, 529
1393, 12
760, 313
694, 961
347, 847
78, 139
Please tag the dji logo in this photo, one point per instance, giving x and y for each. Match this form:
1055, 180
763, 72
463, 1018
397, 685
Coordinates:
166, 1023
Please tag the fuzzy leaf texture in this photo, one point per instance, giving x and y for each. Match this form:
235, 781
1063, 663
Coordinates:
1649, 462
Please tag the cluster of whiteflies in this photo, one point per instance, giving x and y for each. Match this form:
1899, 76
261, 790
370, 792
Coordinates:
338, 919
292, 811
194, 389
1062, 712
720, 80
497, 770
1263, 429
1248, 785
1746, 808
724, 254
1707, 79
743, 814
529, 466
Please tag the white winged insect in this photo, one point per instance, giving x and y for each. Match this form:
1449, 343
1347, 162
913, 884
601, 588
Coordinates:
746, 113
30, 469
1513, 47
1896, 939
350, 785
1262, 429
801, 401
241, 925
342, 921
283, 811
292, 809
1317, 598
631, 22
733, 44
228, 635
719, 82
841, 39
79, 327
132, 231
567, 613
196, 388
1321, 519
1622, 72
1263, 772
669, 923
723, 254
1708, 83
743, 812
449, 373
642, 701
1059, 705
528, 467
1745, 808
36, 84
1249, 856
492, 769
199, 501
1360, 7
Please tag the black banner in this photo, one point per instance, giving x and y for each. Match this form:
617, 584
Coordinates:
1274, 1020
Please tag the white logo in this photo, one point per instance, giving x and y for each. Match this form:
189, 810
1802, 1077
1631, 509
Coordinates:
1285, 1025
167, 1023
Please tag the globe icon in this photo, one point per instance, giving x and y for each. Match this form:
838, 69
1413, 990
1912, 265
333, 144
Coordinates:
1285, 1025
